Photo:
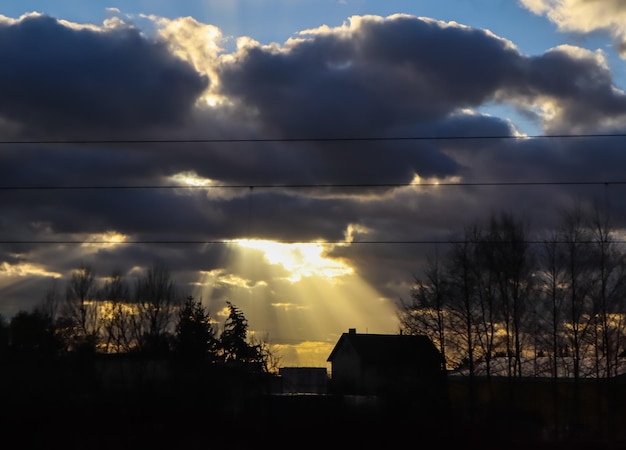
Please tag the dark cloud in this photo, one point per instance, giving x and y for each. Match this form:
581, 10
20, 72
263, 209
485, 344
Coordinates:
404, 70
384, 73
57, 78
579, 84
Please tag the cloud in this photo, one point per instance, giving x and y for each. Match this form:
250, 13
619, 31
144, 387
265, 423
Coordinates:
360, 79
572, 87
585, 16
363, 76
357, 80
58, 78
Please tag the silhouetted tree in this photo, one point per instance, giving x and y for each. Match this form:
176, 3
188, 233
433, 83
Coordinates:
52, 301
234, 339
195, 338
117, 314
82, 308
551, 276
607, 293
4, 335
468, 307
578, 306
270, 360
508, 259
33, 333
552, 281
66, 331
425, 314
156, 300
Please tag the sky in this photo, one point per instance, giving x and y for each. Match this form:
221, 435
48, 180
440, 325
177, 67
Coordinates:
298, 158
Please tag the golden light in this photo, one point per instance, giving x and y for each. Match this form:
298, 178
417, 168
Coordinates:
25, 269
191, 179
212, 100
328, 311
108, 309
220, 277
354, 229
297, 295
300, 260
108, 239
197, 43
305, 354
418, 180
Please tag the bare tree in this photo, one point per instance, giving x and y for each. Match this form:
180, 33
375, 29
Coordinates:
425, 313
462, 269
575, 238
552, 280
118, 314
82, 307
156, 301
508, 258
608, 293
52, 301
270, 359
483, 303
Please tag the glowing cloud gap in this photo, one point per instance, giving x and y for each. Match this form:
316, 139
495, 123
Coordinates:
300, 260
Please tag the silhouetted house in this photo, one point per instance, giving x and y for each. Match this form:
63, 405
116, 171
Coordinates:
303, 380
378, 364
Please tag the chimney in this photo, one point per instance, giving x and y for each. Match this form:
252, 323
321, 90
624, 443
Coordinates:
352, 330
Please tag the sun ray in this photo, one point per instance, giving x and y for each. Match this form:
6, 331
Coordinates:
300, 260
304, 297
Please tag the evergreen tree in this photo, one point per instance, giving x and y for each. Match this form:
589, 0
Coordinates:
33, 333
234, 339
195, 337
4, 335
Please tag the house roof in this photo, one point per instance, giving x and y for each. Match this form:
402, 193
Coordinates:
388, 349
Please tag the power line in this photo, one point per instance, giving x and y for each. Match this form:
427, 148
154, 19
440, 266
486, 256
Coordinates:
326, 242
304, 139
311, 185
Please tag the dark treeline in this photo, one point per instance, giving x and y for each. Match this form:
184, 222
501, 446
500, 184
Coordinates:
127, 365
535, 324
148, 318
500, 295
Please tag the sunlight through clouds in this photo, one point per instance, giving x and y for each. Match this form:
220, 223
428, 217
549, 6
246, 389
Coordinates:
108, 239
197, 43
222, 277
191, 179
305, 354
296, 296
300, 260
25, 269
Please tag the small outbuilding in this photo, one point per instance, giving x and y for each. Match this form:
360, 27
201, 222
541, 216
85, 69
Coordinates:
303, 380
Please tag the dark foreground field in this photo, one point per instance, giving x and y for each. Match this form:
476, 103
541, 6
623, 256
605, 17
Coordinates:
78, 406
122, 424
